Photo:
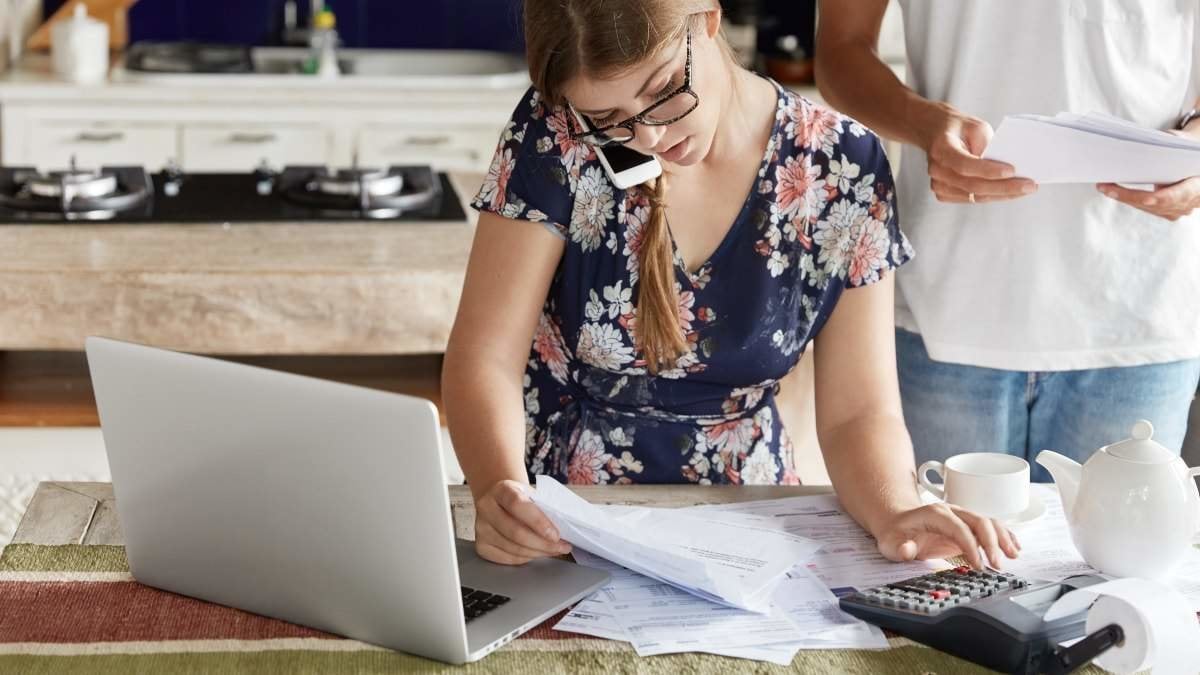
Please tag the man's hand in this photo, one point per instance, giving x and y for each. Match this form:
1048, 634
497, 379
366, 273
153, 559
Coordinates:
1172, 201
954, 142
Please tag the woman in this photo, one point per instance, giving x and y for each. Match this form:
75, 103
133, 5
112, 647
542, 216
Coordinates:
661, 321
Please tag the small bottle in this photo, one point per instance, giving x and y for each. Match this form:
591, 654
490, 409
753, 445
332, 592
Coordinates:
324, 40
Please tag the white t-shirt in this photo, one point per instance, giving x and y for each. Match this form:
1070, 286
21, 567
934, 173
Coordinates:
1066, 278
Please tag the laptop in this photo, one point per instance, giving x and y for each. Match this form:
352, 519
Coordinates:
319, 503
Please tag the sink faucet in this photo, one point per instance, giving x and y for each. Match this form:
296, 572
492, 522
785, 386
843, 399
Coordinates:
293, 34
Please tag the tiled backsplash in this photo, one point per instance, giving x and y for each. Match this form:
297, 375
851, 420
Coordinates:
433, 24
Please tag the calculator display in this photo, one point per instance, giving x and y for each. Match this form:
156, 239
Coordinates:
1039, 599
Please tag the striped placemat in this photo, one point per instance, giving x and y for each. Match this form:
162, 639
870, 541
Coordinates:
76, 609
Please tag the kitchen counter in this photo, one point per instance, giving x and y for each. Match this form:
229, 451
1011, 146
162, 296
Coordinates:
34, 79
313, 288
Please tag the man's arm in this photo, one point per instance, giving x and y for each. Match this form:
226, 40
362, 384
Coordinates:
852, 77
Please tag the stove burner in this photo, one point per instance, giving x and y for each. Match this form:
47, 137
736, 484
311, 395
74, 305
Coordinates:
372, 193
74, 194
71, 183
357, 181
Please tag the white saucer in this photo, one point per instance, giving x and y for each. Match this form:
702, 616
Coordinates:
1035, 510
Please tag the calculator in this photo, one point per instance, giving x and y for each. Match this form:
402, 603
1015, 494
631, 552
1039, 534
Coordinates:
987, 617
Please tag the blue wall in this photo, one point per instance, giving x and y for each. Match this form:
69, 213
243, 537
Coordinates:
450, 24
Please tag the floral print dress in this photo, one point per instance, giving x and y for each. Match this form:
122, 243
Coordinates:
821, 217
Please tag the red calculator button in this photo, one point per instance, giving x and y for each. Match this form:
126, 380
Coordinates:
940, 594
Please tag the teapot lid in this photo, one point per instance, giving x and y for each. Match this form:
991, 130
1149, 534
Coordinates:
1140, 447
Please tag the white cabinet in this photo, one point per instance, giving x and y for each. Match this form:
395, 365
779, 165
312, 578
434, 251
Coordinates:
51, 144
242, 147
211, 129
448, 148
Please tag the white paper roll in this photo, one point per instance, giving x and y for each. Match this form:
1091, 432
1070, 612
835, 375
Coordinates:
1161, 631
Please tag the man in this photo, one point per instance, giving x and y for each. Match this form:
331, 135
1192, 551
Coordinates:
1032, 317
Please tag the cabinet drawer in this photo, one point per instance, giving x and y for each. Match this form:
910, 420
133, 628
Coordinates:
468, 149
241, 148
52, 144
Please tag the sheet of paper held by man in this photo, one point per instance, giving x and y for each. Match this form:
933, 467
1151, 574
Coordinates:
657, 618
848, 559
1092, 148
735, 563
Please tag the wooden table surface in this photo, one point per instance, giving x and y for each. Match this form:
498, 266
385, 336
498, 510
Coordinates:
85, 513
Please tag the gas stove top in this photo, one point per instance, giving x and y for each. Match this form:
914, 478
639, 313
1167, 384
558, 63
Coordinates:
124, 194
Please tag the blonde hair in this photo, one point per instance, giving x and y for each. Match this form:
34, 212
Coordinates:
604, 38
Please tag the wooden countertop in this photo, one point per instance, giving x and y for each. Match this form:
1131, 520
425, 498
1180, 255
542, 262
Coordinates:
85, 513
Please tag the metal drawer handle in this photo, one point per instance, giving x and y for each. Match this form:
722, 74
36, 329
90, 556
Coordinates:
100, 137
423, 141
243, 137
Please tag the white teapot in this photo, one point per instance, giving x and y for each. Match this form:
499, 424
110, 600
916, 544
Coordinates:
1133, 507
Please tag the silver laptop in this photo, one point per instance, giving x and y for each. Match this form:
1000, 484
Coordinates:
316, 502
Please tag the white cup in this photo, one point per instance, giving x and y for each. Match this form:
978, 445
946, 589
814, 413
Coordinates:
991, 484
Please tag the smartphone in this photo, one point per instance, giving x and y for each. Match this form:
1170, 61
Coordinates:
625, 166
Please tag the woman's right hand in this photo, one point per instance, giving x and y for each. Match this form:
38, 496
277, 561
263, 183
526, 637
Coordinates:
510, 529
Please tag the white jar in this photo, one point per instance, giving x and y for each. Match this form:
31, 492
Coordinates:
79, 48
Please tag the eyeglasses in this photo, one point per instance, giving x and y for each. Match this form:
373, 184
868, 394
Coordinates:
668, 110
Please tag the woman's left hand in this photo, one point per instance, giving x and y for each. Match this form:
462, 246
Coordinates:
943, 531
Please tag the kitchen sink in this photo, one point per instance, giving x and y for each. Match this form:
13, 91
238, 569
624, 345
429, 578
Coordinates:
419, 68
392, 62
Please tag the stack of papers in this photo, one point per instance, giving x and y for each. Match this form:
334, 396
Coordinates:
1092, 148
657, 618
744, 580
737, 562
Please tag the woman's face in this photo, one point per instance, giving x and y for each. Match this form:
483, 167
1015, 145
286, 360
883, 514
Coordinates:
614, 99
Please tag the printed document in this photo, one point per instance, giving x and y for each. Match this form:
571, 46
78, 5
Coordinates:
657, 618
736, 563
848, 560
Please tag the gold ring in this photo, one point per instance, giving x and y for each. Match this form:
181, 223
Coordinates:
971, 197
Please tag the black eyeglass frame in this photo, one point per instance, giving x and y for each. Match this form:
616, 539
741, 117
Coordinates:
600, 136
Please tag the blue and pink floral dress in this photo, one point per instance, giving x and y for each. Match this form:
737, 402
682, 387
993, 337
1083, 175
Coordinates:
821, 217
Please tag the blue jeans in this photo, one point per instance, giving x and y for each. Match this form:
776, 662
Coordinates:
951, 409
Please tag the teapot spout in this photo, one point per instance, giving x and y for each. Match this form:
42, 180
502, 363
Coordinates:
1065, 472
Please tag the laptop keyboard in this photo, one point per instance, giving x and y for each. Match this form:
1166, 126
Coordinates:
477, 603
